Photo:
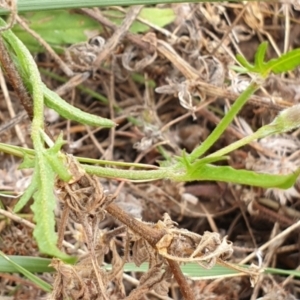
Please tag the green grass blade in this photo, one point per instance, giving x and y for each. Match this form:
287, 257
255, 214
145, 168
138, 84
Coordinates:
31, 264
282, 272
25, 266
195, 271
34, 5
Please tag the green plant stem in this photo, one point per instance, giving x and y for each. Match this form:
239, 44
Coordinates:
137, 175
20, 152
224, 123
238, 144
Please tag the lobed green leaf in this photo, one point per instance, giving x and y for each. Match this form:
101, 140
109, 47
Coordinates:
244, 62
260, 56
286, 62
200, 171
63, 108
43, 209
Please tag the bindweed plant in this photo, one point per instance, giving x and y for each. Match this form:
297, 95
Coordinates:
55, 169
51, 162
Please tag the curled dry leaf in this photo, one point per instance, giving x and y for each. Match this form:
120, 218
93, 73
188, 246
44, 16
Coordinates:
84, 194
253, 16
132, 52
80, 281
184, 246
155, 279
81, 56
184, 94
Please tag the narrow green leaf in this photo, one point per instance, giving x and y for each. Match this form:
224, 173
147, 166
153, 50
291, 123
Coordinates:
30, 263
193, 270
27, 163
36, 5
43, 209
33, 186
57, 160
54, 101
44, 200
243, 61
295, 273
286, 62
200, 171
36, 280
260, 56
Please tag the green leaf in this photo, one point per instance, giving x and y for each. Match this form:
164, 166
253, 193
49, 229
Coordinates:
42, 184
54, 101
243, 61
200, 171
57, 160
157, 16
58, 29
286, 62
27, 194
36, 5
43, 208
260, 56
295, 273
12, 264
27, 163
193, 270
64, 28
30, 263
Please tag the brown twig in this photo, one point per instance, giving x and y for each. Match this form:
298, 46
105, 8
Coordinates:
13, 121
133, 38
118, 35
185, 288
12, 7
271, 215
15, 79
152, 236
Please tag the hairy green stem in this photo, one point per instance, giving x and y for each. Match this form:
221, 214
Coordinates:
137, 175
